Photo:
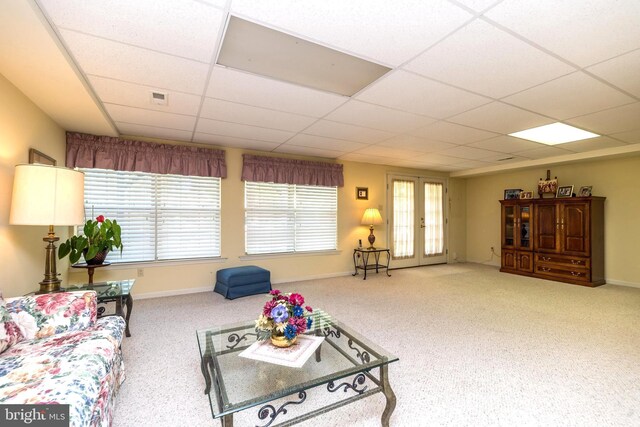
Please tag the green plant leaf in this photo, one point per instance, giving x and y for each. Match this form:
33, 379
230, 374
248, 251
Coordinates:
64, 249
91, 253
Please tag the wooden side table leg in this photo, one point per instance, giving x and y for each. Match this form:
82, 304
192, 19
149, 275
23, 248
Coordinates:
90, 270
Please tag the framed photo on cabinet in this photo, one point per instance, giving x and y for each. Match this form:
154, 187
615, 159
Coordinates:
565, 191
585, 191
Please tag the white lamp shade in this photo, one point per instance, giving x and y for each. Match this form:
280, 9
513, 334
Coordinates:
371, 217
47, 195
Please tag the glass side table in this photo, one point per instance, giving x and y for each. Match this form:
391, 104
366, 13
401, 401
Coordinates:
118, 291
366, 264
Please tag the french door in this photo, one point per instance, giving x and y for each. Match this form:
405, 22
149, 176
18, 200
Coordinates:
417, 220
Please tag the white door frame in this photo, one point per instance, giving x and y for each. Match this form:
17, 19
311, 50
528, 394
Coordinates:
418, 259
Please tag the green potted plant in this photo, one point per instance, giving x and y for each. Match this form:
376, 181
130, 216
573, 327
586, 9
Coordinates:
99, 237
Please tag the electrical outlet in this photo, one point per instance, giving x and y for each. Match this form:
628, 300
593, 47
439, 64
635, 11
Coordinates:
140, 272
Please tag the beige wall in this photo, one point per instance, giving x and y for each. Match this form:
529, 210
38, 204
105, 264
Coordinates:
615, 179
23, 126
174, 277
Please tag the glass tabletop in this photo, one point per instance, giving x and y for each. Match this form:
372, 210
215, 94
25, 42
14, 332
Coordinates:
239, 383
109, 289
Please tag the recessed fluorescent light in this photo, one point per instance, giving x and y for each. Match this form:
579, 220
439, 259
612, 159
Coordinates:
553, 134
267, 52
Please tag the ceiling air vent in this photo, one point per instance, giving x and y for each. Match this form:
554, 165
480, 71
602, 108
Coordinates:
158, 98
506, 158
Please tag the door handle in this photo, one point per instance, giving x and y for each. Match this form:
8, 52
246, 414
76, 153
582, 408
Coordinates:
422, 223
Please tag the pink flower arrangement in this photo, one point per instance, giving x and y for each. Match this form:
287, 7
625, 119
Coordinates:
284, 315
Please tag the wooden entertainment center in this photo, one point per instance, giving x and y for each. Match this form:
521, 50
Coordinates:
558, 239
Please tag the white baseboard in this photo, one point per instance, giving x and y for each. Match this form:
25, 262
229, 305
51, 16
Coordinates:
174, 292
622, 283
186, 291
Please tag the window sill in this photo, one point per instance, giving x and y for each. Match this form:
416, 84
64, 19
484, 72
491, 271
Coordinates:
150, 264
289, 255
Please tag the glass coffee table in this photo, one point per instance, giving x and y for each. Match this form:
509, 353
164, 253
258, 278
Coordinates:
345, 368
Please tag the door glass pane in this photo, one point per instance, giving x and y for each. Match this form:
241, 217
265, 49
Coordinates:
403, 218
525, 226
509, 221
433, 219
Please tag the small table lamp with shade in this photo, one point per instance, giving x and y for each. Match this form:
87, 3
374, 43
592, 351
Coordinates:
371, 217
47, 195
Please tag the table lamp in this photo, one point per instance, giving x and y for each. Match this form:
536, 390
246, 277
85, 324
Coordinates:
47, 195
371, 217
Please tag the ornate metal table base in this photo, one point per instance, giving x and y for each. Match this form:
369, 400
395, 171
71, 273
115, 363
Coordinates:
354, 384
366, 265
128, 301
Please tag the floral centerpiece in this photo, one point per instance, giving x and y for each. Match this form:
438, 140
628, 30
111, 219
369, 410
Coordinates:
100, 236
283, 318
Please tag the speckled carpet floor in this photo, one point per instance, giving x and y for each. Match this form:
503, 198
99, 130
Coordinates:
476, 347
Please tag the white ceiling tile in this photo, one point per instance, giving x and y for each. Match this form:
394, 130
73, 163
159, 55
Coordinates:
486, 60
97, 56
409, 142
413, 164
569, 96
217, 3
632, 136
245, 88
451, 132
502, 158
592, 144
198, 24
583, 31
216, 127
364, 158
229, 141
500, 118
153, 132
622, 71
321, 142
377, 117
415, 94
470, 153
308, 151
390, 152
543, 152
440, 159
478, 5
134, 95
472, 164
506, 144
120, 113
254, 116
348, 132
614, 120
376, 29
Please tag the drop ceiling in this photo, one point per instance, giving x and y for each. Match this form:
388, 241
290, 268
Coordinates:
464, 74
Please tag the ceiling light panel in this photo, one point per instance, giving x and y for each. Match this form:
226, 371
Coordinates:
379, 29
132, 64
488, 61
416, 94
553, 134
584, 32
154, 27
246, 88
267, 52
506, 144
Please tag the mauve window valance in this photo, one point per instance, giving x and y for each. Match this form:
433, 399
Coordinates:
105, 152
289, 171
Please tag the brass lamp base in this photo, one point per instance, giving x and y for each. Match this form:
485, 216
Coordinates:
51, 282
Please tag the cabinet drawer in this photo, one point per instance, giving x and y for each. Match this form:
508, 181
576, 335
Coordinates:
582, 275
563, 261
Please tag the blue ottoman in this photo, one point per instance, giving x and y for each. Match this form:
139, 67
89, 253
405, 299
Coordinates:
238, 282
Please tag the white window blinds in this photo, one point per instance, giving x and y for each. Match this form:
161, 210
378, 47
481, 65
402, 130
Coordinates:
163, 217
290, 218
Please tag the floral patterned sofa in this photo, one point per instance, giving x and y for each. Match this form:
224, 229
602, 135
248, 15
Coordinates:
54, 350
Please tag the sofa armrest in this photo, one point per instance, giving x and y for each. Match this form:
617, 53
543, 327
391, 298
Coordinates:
43, 315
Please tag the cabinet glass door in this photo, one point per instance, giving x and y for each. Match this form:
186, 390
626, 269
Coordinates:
525, 226
509, 225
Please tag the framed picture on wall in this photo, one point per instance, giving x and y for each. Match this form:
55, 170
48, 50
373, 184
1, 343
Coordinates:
39, 157
362, 193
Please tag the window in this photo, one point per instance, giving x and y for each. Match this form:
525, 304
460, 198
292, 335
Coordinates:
163, 217
290, 218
